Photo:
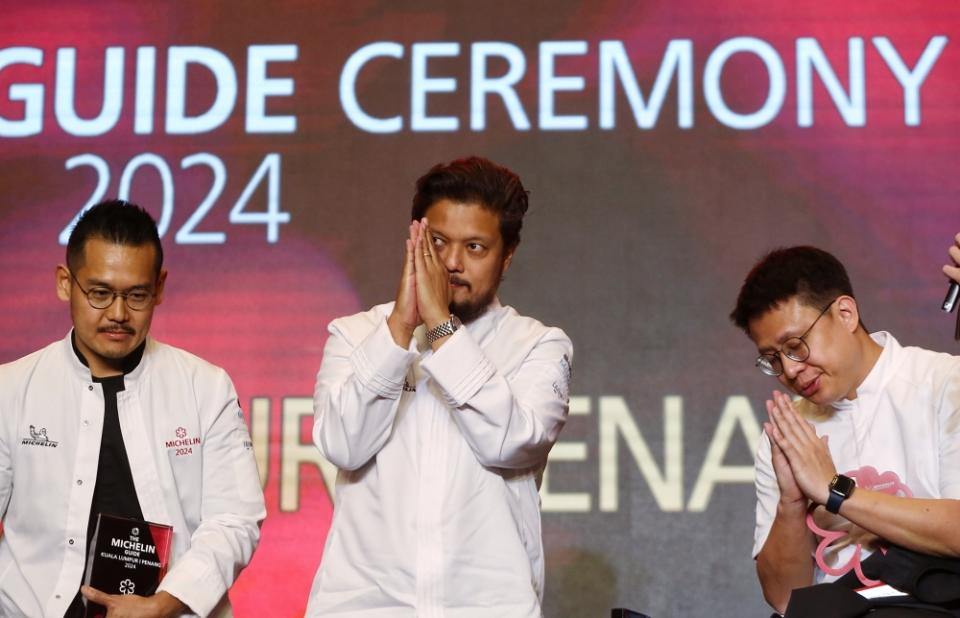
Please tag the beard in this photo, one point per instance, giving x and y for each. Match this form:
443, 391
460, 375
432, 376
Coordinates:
470, 310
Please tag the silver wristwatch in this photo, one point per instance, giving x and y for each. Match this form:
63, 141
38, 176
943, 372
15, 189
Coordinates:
443, 329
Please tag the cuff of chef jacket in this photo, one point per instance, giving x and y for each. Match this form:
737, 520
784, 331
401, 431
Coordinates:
459, 368
197, 586
380, 364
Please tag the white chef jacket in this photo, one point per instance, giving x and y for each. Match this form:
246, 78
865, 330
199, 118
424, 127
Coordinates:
190, 457
905, 419
437, 512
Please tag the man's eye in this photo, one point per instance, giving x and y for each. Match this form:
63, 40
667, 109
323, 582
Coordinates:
138, 297
100, 294
437, 242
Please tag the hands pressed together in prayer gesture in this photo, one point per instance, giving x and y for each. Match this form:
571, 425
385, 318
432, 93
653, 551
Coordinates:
424, 293
801, 459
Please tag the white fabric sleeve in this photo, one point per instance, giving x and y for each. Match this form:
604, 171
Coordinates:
357, 395
7, 419
949, 421
509, 422
768, 493
232, 500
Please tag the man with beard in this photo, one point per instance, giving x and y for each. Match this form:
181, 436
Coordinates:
439, 409
110, 421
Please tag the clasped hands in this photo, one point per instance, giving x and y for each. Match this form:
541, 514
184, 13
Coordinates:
423, 296
801, 459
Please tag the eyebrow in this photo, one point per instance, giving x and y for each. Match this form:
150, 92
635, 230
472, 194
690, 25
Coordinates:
481, 239
778, 342
97, 283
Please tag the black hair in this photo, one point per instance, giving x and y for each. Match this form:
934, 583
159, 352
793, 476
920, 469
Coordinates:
812, 275
116, 221
476, 180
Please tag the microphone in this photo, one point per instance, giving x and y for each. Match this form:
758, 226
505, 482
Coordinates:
950, 302
951, 299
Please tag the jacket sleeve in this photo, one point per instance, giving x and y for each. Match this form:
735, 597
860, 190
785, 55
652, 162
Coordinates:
358, 393
232, 504
7, 420
948, 412
509, 421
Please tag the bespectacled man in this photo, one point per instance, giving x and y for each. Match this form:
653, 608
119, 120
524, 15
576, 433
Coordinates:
110, 421
871, 451
439, 409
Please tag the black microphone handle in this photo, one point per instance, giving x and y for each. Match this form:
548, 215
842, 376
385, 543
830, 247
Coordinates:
951, 299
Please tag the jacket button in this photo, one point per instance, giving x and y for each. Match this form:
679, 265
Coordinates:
90, 387
79, 481
70, 541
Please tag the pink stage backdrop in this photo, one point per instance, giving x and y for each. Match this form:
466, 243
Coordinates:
666, 146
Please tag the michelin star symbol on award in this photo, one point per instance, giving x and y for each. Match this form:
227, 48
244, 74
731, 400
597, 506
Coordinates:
127, 586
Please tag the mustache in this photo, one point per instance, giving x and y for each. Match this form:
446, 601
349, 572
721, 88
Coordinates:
117, 329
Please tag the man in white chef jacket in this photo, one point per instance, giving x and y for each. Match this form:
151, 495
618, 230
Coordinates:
439, 409
108, 420
871, 451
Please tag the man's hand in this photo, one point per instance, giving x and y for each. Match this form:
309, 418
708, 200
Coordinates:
406, 317
160, 605
807, 454
953, 271
790, 493
433, 280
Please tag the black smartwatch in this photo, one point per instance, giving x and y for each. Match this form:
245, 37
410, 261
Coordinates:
840, 489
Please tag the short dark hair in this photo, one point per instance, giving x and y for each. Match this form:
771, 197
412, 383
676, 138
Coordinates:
814, 276
476, 180
117, 221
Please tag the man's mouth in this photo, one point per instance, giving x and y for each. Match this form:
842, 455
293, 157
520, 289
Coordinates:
459, 283
810, 388
116, 333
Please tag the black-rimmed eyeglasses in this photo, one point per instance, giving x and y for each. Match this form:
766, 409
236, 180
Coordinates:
794, 348
102, 298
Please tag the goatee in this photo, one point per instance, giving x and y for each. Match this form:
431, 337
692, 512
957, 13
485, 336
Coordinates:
471, 310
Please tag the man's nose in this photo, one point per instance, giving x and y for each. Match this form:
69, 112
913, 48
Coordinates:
453, 258
118, 310
791, 368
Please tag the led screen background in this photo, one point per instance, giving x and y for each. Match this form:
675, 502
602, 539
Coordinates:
636, 241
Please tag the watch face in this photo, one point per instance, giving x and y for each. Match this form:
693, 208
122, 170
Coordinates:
842, 485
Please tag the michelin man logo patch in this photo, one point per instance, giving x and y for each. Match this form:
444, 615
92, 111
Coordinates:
562, 386
38, 437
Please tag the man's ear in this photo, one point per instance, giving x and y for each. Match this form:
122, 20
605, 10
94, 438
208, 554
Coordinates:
64, 282
848, 313
161, 281
507, 259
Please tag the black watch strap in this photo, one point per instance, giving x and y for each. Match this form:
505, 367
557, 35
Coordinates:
834, 501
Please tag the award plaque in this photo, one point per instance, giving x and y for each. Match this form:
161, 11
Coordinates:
126, 556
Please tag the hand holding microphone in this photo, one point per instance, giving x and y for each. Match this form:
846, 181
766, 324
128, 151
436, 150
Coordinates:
953, 272
953, 291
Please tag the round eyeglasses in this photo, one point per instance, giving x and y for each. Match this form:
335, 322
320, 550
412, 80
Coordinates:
102, 298
794, 348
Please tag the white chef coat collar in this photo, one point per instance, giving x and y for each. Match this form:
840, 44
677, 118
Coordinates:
83, 372
877, 378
